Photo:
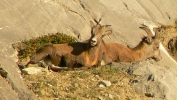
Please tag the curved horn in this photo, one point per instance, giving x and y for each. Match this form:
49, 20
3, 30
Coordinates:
147, 30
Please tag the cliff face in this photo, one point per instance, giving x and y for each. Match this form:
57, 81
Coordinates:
24, 19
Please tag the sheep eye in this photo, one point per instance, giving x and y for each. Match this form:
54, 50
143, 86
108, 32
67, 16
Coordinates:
157, 47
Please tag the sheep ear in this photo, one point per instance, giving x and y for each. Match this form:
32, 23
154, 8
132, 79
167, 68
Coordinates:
91, 24
108, 32
146, 38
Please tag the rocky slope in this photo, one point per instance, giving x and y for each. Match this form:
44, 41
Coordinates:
24, 19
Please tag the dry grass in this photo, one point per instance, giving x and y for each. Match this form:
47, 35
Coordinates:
82, 85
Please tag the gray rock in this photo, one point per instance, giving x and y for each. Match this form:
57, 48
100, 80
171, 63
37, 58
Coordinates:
105, 83
97, 77
32, 70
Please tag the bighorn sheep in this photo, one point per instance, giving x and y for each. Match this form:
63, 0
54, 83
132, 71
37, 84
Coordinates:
147, 48
74, 54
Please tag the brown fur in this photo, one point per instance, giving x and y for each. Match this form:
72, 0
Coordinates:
147, 48
74, 54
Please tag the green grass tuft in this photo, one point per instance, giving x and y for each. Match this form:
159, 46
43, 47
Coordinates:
30, 46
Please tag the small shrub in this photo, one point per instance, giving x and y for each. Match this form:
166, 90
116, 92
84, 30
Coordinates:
30, 46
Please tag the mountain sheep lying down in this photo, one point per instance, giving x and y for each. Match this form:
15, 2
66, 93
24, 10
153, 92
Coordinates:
147, 48
71, 55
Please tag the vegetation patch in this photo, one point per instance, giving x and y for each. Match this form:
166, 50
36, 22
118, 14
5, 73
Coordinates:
83, 85
26, 47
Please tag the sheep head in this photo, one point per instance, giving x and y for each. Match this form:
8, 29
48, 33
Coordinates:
152, 43
98, 32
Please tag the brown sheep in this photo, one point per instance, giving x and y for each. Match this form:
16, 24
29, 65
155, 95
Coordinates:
147, 48
74, 54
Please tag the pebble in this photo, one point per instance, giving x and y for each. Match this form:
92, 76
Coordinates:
110, 96
105, 83
100, 98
